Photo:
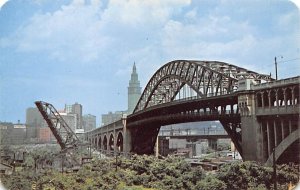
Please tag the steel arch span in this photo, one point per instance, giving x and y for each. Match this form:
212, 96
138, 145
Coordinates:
206, 78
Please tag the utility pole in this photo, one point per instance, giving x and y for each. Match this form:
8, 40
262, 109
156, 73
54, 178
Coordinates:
62, 163
116, 162
276, 75
276, 68
274, 170
117, 154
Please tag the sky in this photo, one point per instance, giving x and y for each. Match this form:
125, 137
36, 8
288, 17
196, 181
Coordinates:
67, 51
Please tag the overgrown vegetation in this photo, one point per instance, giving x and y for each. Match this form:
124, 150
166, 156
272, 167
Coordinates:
148, 172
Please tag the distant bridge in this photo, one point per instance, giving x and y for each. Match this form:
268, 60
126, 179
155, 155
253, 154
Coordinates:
194, 134
258, 113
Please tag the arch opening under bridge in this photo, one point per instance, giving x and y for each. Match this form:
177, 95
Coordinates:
105, 142
120, 142
111, 142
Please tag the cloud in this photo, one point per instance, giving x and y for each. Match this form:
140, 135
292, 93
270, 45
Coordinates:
147, 31
69, 34
211, 37
86, 31
296, 2
219, 35
134, 12
286, 21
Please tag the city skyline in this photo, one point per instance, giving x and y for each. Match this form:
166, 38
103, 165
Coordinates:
73, 51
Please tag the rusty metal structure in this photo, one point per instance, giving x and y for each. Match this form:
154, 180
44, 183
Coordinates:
64, 135
206, 78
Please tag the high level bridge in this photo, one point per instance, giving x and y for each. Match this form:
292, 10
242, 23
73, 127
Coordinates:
258, 113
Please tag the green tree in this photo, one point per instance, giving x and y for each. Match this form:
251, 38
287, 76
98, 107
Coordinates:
211, 183
29, 161
243, 175
19, 180
251, 175
142, 172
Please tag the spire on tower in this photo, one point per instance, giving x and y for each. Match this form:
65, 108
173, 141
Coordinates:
134, 68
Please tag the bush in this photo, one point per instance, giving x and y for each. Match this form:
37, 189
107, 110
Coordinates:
250, 175
142, 172
211, 183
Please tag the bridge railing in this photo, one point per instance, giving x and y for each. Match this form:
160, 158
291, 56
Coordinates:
212, 112
207, 96
276, 83
174, 102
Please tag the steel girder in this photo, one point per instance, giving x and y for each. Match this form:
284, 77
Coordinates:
144, 123
64, 135
206, 78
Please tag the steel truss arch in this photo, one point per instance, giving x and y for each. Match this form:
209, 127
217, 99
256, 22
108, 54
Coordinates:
206, 78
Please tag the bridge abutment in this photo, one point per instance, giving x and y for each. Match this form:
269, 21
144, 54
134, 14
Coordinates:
269, 116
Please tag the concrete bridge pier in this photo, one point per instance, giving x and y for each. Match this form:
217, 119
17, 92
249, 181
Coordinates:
143, 141
251, 133
252, 140
127, 138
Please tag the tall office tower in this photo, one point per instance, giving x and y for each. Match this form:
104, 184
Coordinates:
134, 90
89, 122
34, 121
68, 108
75, 109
